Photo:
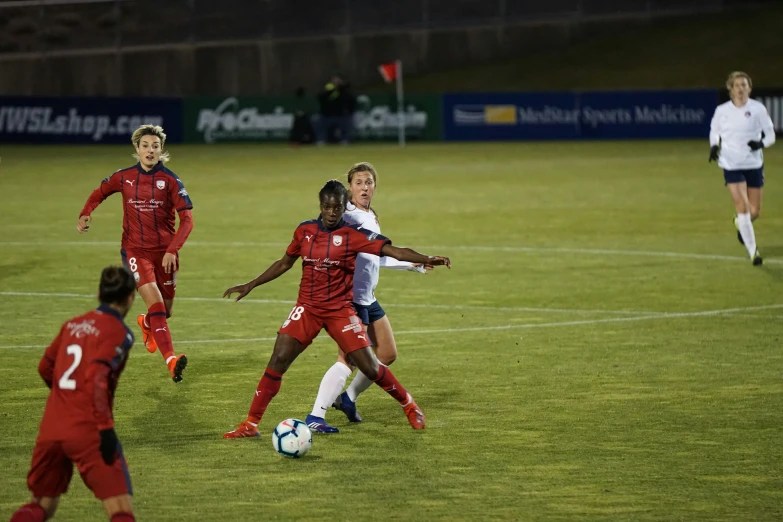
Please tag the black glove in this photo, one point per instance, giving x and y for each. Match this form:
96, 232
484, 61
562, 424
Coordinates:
756, 145
109, 444
714, 153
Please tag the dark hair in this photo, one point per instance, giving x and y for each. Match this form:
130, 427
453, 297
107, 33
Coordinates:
117, 283
335, 188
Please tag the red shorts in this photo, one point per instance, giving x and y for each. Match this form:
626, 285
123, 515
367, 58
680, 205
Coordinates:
52, 468
343, 325
147, 267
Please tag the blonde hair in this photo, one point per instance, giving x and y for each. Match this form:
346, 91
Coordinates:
150, 130
362, 166
736, 75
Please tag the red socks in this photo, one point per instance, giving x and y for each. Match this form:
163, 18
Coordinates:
123, 517
390, 384
156, 317
267, 389
31, 512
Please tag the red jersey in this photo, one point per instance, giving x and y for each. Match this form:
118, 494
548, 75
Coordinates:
328, 261
82, 366
150, 200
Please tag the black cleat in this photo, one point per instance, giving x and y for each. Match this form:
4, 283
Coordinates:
179, 366
757, 260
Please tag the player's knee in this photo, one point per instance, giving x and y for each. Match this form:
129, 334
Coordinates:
388, 358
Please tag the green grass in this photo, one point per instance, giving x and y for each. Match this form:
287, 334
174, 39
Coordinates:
615, 414
683, 52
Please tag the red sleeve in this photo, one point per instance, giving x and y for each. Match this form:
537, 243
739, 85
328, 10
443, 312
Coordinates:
102, 396
105, 371
46, 366
184, 230
107, 187
179, 196
295, 248
366, 242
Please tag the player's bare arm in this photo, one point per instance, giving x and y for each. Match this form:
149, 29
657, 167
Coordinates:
410, 255
275, 270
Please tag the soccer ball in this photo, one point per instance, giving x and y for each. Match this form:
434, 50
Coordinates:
292, 438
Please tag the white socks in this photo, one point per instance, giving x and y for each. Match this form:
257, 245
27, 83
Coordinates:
358, 385
331, 386
746, 231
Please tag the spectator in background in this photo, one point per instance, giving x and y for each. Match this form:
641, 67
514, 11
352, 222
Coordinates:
302, 129
331, 110
347, 101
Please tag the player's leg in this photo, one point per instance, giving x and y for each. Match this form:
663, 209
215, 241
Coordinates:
119, 508
167, 288
49, 477
331, 385
345, 328
755, 181
286, 350
296, 334
367, 363
739, 194
37, 510
382, 338
110, 483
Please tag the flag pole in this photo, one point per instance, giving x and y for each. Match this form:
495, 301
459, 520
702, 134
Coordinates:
400, 105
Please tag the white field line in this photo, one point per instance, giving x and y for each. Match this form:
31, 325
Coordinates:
724, 311
441, 248
391, 305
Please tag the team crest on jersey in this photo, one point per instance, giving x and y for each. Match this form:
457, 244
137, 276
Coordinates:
747, 114
337, 240
160, 184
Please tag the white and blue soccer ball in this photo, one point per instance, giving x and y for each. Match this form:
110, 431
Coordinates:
292, 438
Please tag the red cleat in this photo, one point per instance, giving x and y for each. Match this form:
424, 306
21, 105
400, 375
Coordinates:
177, 366
414, 414
149, 340
243, 430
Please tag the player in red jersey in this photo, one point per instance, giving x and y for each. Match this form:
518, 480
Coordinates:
151, 195
82, 367
328, 247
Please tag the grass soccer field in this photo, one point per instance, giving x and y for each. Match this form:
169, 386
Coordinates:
601, 350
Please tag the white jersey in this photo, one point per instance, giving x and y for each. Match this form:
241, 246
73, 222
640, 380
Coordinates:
733, 127
365, 276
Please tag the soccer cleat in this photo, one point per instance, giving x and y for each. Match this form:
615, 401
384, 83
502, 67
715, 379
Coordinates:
414, 414
149, 340
177, 366
347, 406
243, 430
739, 235
757, 260
319, 425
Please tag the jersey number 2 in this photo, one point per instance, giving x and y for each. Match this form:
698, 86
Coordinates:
66, 383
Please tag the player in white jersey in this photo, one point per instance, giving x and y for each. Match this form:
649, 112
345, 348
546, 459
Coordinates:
361, 186
740, 129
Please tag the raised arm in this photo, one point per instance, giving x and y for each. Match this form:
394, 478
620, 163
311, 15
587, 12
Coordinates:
107, 187
411, 256
275, 270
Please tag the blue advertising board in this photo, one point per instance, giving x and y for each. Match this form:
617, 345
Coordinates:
587, 115
510, 116
86, 120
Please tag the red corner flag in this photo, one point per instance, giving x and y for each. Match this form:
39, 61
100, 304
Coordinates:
388, 71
